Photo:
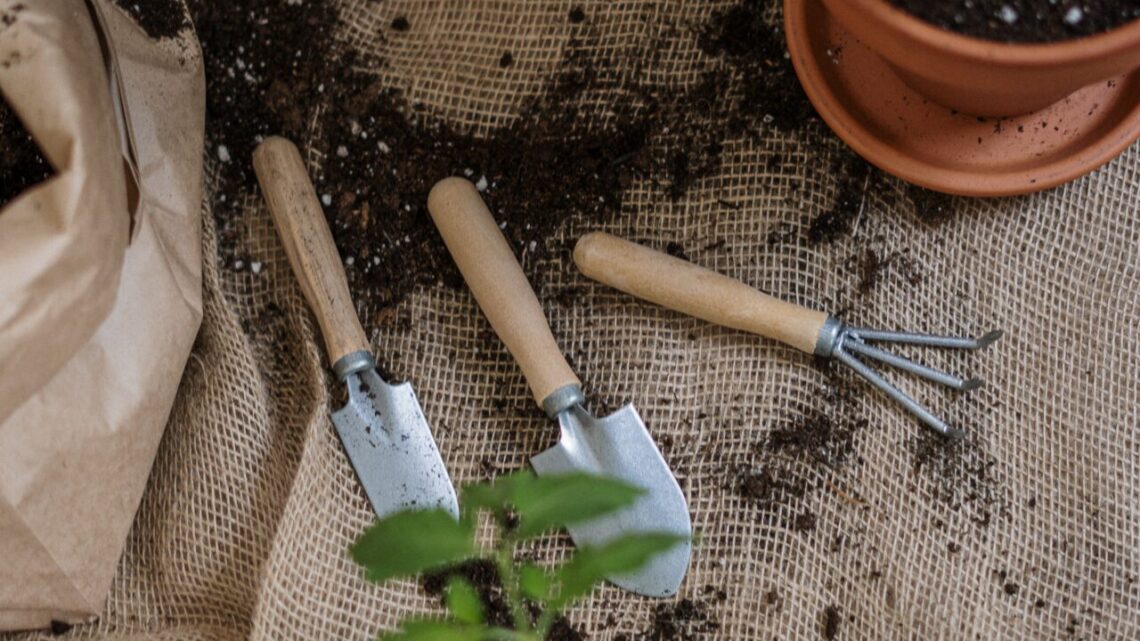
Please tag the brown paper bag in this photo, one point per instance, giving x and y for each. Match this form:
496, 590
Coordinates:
100, 292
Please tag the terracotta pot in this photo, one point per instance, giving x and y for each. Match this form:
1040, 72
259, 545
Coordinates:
984, 77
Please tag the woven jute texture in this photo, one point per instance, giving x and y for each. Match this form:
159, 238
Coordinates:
1030, 532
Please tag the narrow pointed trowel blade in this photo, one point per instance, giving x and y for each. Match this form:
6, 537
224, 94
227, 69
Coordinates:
391, 448
620, 446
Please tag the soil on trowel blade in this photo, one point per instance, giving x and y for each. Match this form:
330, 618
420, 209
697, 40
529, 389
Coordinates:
22, 165
1024, 20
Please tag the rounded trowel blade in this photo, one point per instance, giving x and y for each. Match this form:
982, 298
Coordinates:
620, 446
387, 439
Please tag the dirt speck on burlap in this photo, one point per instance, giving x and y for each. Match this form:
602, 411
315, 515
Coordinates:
22, 165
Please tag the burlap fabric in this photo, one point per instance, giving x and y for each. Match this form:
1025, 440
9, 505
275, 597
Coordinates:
251, 506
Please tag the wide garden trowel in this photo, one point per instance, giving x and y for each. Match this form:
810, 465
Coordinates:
382, 427
617, 445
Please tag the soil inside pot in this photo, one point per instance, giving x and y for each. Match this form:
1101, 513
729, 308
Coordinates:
21, 163
1024, 20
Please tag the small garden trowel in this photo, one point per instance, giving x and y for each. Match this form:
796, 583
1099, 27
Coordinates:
617, 445
382, 427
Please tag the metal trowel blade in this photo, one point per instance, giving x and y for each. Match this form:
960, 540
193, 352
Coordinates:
620, 446
387, 439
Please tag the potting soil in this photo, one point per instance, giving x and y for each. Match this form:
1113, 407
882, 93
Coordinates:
823, 510
22, 165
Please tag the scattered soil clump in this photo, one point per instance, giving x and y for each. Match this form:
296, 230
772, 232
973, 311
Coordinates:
1024, 20
744, 36
484, 577
831, 620
818, 437
766, 489
160, 19
22, 165
804, 522
872, 266
266, 63
931, 207
791, 461
382, 158
958, 474
686, 620
854, 175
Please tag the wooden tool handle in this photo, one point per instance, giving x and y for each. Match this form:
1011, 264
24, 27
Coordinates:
301, 223
696, 291
499, 285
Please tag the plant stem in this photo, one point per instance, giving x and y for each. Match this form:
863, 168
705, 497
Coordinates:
502, 634
545, 620
504, 558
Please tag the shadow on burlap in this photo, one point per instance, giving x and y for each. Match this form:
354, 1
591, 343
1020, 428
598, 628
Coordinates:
1031, 533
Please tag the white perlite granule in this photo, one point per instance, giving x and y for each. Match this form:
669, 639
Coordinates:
1008, 14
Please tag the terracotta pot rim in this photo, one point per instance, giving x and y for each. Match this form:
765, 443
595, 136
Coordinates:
881, 153
1041, 54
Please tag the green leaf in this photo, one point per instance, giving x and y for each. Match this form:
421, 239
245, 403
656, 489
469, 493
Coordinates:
463, 601
534, 582
497, 495
407, 543
430, 630
619, 556
546, 502
491, 496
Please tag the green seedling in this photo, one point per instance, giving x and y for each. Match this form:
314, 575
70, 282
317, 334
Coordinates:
523, 507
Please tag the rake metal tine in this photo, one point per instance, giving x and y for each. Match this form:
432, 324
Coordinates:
918, 369
898, 395
929, 340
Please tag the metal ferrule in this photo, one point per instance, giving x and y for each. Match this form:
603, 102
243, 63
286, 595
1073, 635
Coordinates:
352, 363
828, 336
563, 399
